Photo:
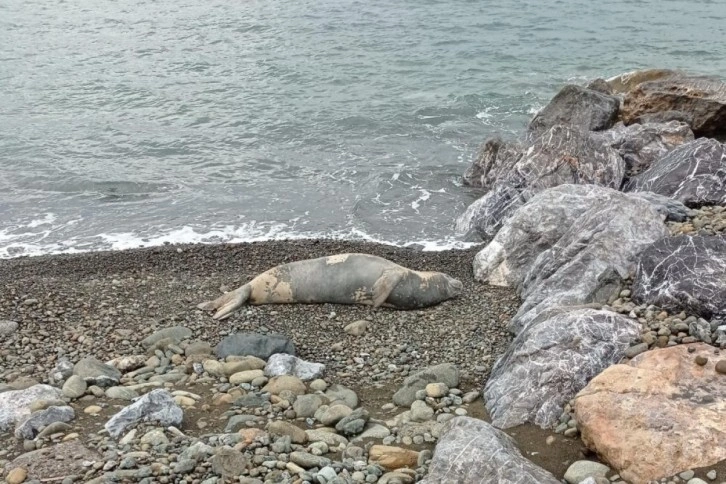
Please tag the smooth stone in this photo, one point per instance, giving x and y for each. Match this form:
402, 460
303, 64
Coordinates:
340, 394
436, 390
446, 373
121, 393
308, 461
255, 344
392, 458
306, 405
582, 469
328, 436
356, 328
334, 414
175, 335
282, 428
95, 372
245, 376
16, 476
279, 384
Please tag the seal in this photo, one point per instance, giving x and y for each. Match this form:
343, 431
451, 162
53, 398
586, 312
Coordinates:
340, 279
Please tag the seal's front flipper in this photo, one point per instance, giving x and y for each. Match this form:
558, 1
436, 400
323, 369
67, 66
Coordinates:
385, 284
228, 303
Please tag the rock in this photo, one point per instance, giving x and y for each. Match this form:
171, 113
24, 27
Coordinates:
175, 335
281, 428
30, 426
637, 408
495, 159
683, 273
334, 413
92, 410
283, 364
446, 373
198, 348
60, 372
197, 452
396, 477
672, 210
16, 476
420, 412
328, 436
720, 367
701, 98
245, 376
252, 400
392, 458
568, 246
125, 364
121, 393
356, 328
7, 328
582, 469
308, 461
561, 155
228, 463
15, 404
54, 428
437, 390
578, 107
373, 431
624, 83
340, 394
552, 359
154, 437
64, 459
354, 423
640, 145
635, 350
157, 406
95, 372
282, 383
255, 344
471, 450
306, 405
693, 173
74, 387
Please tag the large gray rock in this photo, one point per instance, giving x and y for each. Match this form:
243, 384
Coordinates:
29, 427
561, 155
579, 107
684, 273
284, 364
569, 246
495, 159
552, 359
95, 372
446, 373
693, 173
15, 404
471, 450
157, 406
642, 144
703, 99
255, 344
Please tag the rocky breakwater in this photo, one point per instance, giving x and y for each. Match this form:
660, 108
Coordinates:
603, 280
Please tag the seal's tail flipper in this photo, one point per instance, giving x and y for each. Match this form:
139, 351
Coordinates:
385, 284
228, 303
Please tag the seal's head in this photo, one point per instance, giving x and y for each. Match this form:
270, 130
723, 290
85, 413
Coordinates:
454, 287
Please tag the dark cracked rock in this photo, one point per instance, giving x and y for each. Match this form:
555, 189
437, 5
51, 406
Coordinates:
579, 107
693, 173
561, 155
640, 145
570, 245
28, 428
255, 344
683, 273
552, 359
471, 450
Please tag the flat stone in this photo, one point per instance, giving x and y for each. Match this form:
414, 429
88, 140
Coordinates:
306, 405
95, 372
157, 406
334, 414
245, 376
29, 427
284, 364
121, 393
446, 373
15, 404
281, 428
392, 458
255, 344
308, 461
175, 335
582, 469
328, 436
279, 384
74, 387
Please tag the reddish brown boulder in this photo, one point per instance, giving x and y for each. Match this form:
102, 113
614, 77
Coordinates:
702, 100
658, 415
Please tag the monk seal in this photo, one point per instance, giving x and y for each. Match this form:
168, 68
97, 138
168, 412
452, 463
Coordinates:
340, 279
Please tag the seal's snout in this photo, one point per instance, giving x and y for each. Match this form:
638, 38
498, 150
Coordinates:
455, 286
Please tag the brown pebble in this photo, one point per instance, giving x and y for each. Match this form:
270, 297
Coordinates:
691, 349
721, 367
701, 360
16, 476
